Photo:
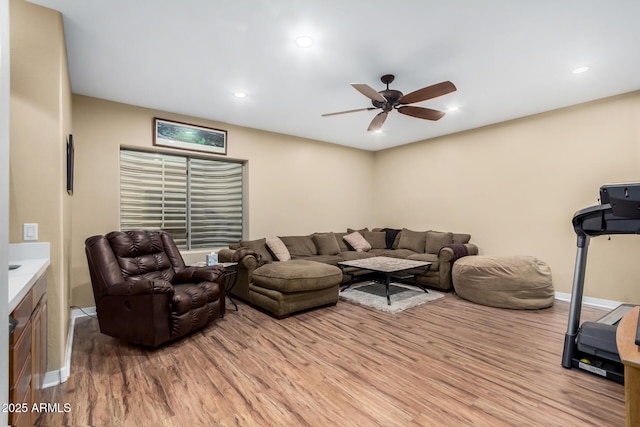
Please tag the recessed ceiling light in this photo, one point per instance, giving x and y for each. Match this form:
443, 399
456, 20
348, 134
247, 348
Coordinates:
377, 131
304, 41
240, 94
580, 70
453, 108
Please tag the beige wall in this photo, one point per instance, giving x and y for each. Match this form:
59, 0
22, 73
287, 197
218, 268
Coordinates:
294, 186
40, 111
515, 187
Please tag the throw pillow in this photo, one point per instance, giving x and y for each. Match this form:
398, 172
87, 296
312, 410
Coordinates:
376, 239
390, 236
436, 240
357, 242
278, 249
413, 240
259, 246
326, 243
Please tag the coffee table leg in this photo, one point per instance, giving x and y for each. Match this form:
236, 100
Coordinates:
387, 279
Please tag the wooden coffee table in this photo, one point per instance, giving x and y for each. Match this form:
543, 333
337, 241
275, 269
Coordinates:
389, 268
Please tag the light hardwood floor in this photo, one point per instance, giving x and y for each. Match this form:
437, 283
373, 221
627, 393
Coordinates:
446, 363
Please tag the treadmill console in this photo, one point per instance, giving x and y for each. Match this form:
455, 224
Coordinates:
623, 198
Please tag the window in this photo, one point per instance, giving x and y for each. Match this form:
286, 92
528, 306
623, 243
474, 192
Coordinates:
197, 201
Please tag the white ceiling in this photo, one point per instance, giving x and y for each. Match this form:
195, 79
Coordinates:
508, 58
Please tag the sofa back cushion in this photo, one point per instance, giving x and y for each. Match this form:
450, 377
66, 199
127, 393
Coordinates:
299, 246
414, 240
436, 240
260, 246
341, 242
376, 239
326, 243
461, 238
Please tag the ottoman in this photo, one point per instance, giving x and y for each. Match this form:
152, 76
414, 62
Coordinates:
519, 282
285, 287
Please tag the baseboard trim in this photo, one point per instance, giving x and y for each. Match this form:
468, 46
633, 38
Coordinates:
594, 302
53, 378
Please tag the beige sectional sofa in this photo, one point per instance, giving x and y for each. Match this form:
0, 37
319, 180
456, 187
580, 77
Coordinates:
439, 248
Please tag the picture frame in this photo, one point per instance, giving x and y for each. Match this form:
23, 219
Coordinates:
70, 161
172, 134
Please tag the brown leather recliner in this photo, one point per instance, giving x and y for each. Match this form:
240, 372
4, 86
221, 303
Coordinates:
143, 291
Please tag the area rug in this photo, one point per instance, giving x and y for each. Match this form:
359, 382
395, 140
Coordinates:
372, 294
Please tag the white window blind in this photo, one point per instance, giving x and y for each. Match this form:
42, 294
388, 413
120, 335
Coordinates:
215, 203
197, 201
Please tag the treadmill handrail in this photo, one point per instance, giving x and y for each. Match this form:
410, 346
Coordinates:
599, 220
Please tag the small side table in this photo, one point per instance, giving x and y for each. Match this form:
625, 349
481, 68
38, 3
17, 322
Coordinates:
230, 278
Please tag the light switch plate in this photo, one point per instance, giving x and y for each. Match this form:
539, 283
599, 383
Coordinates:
30, 231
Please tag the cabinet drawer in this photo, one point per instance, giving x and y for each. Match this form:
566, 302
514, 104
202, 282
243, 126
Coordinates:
22, 313
20, 354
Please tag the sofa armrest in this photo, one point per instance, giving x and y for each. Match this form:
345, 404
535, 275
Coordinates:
248, 261
472, 249
139, 287
446, 254
225, 255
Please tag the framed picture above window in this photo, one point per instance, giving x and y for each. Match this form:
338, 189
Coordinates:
172, 134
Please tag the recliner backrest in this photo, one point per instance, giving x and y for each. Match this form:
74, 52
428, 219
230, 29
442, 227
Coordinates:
140, 255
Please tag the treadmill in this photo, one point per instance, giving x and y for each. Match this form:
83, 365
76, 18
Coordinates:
592, 345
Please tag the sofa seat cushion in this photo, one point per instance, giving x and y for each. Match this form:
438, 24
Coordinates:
519, 282
352, 255
326, 259
432, 258
296, 275
393, 253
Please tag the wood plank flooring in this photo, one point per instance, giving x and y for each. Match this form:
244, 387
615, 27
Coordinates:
446, 363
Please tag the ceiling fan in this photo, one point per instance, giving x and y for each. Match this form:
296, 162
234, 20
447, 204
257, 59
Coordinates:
390, 99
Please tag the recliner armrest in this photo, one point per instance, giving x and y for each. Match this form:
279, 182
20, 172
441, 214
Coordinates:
199, 274
139, 287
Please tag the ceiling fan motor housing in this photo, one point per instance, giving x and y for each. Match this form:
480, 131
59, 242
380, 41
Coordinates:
393, 98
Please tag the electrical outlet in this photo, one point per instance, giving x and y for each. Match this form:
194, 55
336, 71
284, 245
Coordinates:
31, 232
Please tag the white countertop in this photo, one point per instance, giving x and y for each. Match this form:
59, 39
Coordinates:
33, 259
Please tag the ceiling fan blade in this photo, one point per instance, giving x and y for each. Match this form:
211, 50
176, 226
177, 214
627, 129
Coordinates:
377, 121
421, 113
348, 111
428, 92
369, 92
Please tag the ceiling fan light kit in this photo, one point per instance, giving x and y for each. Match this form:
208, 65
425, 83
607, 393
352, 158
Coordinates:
390, 99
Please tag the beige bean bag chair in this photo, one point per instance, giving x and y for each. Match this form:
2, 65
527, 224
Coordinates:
521, 282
